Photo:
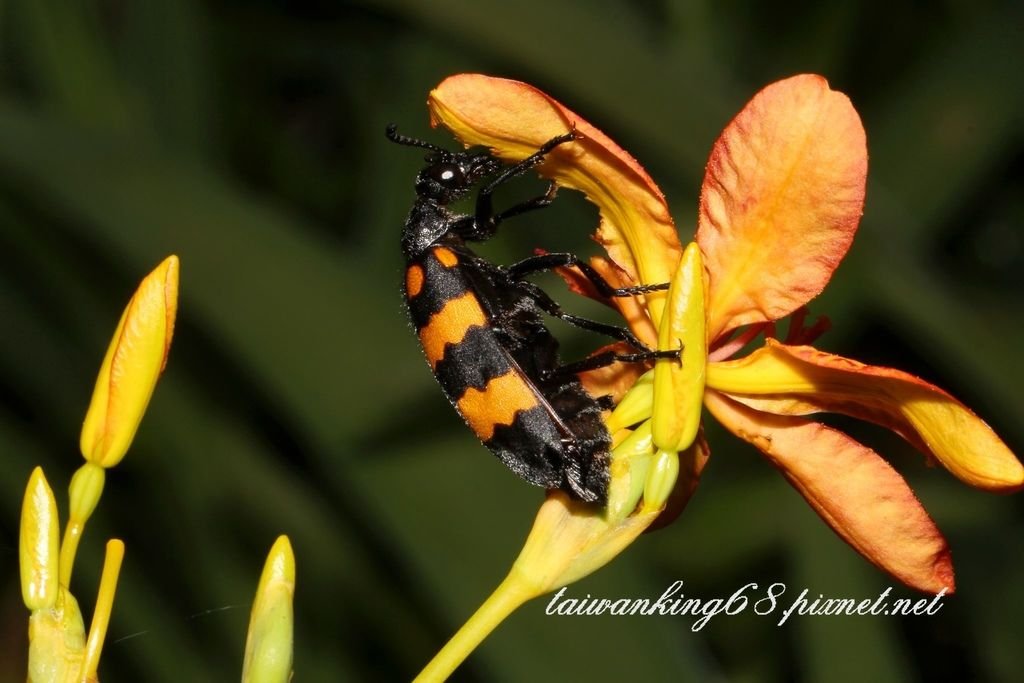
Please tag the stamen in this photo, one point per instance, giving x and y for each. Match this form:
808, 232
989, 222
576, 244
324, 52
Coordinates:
799, 334
796, 324
821, 325
733, 343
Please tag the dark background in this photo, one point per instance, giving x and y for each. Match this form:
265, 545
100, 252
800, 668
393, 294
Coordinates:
247, 137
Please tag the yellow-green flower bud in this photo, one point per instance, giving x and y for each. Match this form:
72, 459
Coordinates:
39, 548
268, 647
661, 479
635, 406
630, 463
85, 490
679, 386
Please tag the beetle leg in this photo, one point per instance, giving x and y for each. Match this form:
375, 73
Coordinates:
606, 358
485, 221
551, 307
542, 262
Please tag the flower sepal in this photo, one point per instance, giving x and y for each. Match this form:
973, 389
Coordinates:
800, 380
56, 641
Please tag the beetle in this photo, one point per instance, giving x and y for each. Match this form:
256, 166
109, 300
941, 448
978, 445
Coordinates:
482, 329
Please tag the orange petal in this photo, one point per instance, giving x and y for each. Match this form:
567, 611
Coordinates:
798, 380
782, 196
631, 308
855, 491
612, 380
514, 119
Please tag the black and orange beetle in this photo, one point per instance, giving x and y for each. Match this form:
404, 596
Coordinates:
482, 327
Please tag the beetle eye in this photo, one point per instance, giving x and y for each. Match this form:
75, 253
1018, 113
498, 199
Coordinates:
448, 175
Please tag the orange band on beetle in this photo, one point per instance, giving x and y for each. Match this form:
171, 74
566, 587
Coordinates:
450, 325
498, 403
413, 281
447, 257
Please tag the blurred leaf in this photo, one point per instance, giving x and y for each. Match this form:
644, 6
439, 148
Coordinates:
66, 60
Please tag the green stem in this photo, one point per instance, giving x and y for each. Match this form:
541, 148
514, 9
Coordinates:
508, 597
68, 550
104, 605
83, 496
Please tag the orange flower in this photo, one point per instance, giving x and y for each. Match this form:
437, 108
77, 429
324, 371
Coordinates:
780, 204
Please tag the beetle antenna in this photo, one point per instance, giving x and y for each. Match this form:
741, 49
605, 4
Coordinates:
394, 136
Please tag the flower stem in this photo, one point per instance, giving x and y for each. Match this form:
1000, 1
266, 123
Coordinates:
68, 550
507, 597
83, 496
104, 605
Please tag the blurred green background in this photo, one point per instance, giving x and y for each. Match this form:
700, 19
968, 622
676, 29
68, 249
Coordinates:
247, 137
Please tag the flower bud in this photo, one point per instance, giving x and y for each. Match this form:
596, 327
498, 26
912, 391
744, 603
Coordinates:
679, 385
268, 647
39, 548
134, 361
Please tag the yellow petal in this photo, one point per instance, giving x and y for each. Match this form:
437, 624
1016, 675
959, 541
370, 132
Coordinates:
134, 361
514, 119
39, 546
782, 196
855, 491
800, 380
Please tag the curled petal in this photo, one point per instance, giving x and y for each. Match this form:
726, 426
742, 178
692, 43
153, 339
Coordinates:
798, 380
514, 119
782, 196
854, 490
136, 357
